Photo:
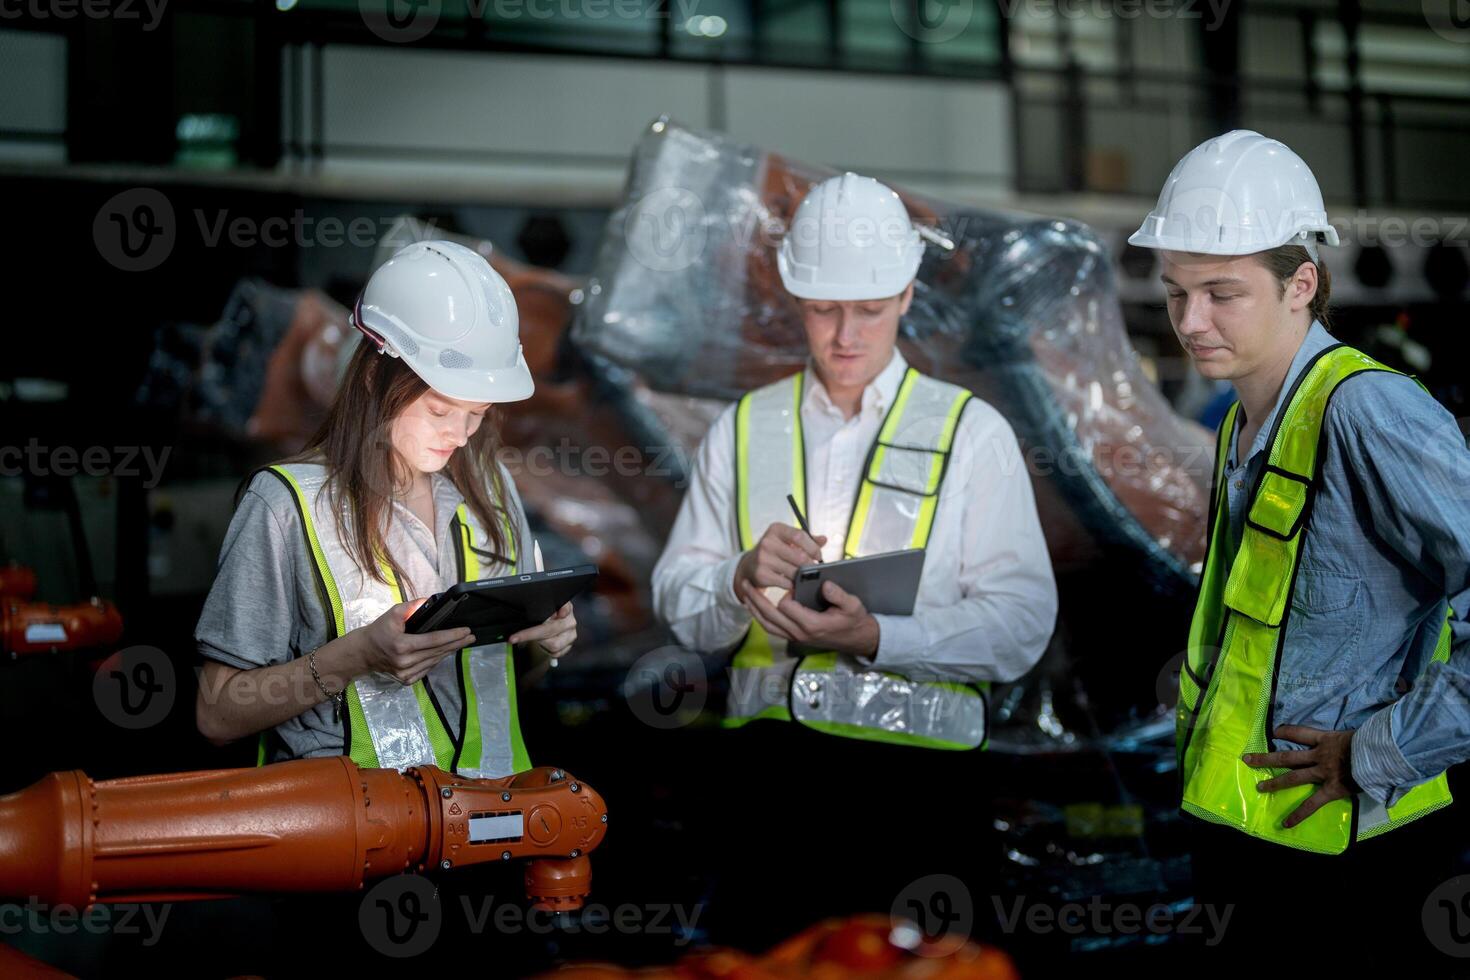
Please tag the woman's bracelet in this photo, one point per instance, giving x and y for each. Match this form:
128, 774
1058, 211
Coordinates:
336, 698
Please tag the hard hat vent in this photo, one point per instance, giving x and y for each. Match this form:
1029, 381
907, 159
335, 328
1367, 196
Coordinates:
402, 341
452, 358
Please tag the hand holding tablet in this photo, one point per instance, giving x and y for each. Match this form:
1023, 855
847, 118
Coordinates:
887, 583
496, 608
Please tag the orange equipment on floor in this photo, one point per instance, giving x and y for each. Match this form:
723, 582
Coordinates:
306, 825
865, 946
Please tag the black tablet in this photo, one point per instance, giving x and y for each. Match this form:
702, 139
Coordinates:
494, 608
887, 583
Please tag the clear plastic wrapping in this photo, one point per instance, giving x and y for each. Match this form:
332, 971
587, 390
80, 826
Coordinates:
1023, 310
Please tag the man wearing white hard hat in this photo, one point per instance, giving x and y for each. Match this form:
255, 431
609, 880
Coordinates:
1324, 693
305, 606
878, 458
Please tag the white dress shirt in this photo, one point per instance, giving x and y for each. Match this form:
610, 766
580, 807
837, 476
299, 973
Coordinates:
987, 601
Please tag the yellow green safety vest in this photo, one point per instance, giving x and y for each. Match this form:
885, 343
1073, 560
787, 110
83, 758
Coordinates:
1228, 684
388, 724
894, 510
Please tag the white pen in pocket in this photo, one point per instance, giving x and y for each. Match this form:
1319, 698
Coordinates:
536, 556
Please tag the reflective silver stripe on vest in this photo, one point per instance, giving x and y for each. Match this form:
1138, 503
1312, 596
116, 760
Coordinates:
488, 675
872, 699
394, 721
1371, 814
757, 689
777, 467
491, 674
847, 693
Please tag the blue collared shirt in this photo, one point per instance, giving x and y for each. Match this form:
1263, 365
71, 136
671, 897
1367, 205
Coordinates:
1388, 545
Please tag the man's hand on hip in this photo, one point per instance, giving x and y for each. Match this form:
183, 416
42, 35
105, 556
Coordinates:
847, 627
1327, 763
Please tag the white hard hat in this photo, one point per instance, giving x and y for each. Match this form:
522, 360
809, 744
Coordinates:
1234, 195
440, 307
850, 239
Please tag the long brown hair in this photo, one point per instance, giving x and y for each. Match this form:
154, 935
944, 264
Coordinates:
1283, 261
355, 444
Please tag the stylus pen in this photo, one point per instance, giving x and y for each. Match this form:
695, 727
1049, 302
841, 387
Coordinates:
801, 521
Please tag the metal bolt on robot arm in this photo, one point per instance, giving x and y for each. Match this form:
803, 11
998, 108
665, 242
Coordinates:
306, 825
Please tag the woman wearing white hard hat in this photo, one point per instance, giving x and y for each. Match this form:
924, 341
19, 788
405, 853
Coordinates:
303, 631
1323, 698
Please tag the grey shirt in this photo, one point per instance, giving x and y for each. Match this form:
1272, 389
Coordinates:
264, 607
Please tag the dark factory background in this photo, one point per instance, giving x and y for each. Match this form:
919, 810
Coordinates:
198, 191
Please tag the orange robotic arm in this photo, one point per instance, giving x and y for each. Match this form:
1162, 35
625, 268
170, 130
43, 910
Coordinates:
307, 825
28, 627
38, 627
17, 581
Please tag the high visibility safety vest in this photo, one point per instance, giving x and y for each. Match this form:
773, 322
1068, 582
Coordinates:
1228, 685
895, 506
388, 724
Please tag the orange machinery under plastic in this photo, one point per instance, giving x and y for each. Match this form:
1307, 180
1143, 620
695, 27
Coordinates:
306, 825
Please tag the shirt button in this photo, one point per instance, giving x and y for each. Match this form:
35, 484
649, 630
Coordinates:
1239, 484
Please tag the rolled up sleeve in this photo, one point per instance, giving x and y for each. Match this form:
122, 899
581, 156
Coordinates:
1413, 470
247, 619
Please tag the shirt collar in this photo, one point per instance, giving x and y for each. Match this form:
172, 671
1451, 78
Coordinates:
1316, 341
877, 396
446, 497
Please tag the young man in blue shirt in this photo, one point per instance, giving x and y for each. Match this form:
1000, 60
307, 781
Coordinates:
1327, 686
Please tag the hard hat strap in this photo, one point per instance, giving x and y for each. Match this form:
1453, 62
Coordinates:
356, 320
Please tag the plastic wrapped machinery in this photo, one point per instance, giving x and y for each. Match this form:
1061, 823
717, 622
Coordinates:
1022, 310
